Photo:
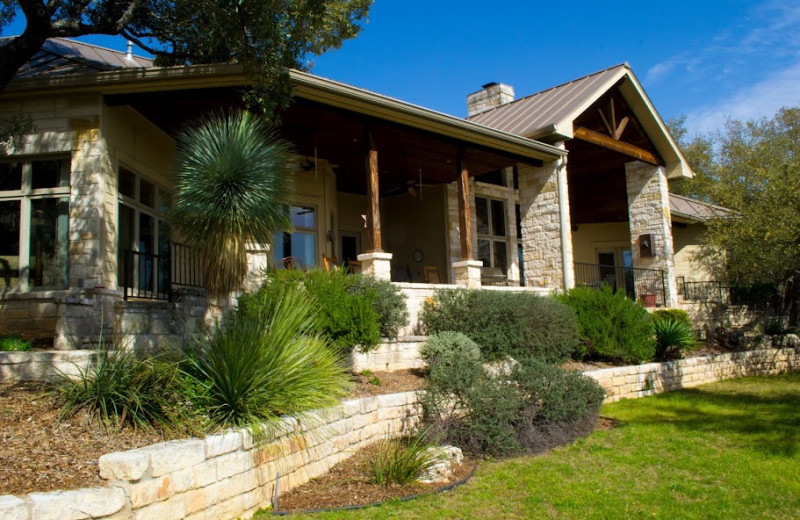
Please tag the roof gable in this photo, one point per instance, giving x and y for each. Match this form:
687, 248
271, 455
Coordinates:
550, 114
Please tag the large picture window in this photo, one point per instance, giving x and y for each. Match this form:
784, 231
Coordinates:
301, 244
143, 234
34, 223
492, 234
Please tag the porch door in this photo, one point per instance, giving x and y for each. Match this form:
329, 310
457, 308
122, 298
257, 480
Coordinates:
350, 246
607, 268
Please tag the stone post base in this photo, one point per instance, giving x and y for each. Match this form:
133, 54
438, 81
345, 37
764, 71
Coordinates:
468, 273
378, 265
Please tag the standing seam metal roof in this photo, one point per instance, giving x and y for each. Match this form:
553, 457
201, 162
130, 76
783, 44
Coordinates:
60, 56
544, 109
694, 209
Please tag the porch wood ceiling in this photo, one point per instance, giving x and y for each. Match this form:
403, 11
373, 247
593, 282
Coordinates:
338, 135
607, 135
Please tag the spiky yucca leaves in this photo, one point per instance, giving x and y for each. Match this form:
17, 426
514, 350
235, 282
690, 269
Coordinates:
258, 368
233, 184
673, 337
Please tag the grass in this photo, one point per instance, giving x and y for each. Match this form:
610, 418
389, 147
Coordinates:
726, 450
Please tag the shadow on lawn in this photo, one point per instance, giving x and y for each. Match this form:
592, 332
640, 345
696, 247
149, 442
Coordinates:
771, 421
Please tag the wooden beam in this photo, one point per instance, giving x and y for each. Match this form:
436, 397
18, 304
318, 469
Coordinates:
464, 211
604, 141
373, 194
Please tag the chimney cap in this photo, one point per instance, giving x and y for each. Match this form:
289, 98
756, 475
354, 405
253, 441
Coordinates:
490, 84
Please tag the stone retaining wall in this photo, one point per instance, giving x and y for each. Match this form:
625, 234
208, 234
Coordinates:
43, 365
655, 378
400, 354
222, 476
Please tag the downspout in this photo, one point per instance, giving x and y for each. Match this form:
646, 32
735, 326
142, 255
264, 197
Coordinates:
567, 269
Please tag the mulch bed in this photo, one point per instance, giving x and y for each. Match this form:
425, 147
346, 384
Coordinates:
38, 454
348, 483
364, 385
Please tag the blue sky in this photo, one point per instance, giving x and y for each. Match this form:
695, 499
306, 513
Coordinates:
707, 60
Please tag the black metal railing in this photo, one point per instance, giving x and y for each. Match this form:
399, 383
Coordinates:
704, 291
648, 286
154, 277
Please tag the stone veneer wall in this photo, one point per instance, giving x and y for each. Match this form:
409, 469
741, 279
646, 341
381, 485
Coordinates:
222, 476
648, 212
399, 354
654, 378
541, 227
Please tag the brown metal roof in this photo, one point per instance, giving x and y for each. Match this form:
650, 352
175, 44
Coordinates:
526, 116
693, 209
60, 56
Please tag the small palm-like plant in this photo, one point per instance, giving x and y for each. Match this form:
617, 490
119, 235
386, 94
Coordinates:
233, 182
259, 367
404, 460
672, 338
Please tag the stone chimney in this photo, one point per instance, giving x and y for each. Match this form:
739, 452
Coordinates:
491, 95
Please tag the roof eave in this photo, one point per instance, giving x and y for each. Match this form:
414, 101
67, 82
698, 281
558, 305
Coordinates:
306, 85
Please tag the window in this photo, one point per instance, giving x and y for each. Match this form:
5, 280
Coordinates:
302, 242
142, 234
34, 223
492, 242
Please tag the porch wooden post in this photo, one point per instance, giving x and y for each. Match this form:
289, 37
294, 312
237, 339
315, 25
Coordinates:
373, 195
464, 212
467, 272
374, 262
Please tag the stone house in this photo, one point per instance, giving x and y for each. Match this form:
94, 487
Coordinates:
569, 185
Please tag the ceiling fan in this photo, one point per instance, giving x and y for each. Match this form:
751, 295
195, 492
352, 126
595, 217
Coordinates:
413, 187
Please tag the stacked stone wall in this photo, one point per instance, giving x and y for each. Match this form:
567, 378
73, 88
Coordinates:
541, 226
400, 354
654, 378
223, 476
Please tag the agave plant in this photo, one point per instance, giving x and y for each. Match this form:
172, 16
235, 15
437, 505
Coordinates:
233, 175
672, 338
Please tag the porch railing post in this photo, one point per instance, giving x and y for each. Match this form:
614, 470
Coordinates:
125, 262
664, 287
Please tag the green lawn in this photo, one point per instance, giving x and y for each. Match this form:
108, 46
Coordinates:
727, 450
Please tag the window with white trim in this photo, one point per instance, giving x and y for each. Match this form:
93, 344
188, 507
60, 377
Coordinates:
301, 243
142, 233
34, 223
492, 233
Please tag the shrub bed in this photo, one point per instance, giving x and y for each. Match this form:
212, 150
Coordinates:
355, 310
612, 326
505, 324
530, 408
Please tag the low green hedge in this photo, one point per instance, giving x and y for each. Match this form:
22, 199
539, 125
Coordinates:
612, 326
505, 323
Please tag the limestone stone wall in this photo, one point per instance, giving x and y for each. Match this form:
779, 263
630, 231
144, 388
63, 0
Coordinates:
648, 213
31, 315
541, 227
223, 476
400, 354
40, 365
654, 378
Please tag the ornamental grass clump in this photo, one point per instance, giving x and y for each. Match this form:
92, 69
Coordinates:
264, 363
403, 460
123, 389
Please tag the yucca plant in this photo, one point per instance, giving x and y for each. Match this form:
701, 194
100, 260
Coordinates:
259, 367
233, 185
403, 460
672, 338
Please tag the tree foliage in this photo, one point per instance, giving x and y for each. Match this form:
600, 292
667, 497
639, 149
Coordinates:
753, 168
267, 36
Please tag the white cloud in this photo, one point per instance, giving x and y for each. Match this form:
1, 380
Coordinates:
761, 99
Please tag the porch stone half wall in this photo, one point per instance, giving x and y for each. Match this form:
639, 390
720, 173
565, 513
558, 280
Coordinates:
648, 213
542, 226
